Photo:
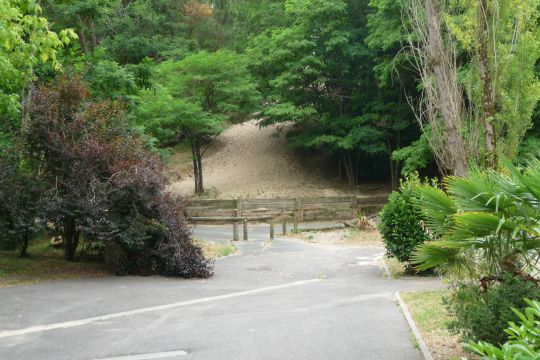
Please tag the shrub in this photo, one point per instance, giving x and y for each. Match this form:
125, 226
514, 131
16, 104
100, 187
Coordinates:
483, 316
523, 338
485, 225
401, 222
20, 191
105, 185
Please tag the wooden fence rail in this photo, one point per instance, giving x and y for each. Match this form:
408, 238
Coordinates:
235, 220
320, 208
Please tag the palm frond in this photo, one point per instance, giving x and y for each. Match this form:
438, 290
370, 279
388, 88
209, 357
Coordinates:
437, 207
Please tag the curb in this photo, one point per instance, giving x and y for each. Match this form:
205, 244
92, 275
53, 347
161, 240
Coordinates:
421, 343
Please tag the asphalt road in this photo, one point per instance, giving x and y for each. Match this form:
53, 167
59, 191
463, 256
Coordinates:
284, 300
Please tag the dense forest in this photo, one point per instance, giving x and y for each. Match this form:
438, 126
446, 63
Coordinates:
94, 92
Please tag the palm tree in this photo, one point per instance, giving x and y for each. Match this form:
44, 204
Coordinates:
486, 224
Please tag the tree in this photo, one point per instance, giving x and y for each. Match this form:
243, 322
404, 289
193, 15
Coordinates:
196, 96
20, 194
105, 185
26, 41
475, 105
399, 82
110, 80
317, 73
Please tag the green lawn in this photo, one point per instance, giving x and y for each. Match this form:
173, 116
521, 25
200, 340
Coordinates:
45, 263
432, 319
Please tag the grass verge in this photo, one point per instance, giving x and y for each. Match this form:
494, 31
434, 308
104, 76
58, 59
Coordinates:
45, 263
342, 237
215, 250
432, 319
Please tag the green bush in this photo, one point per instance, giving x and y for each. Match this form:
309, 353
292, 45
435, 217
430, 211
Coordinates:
523, 339
483, 316
401, 222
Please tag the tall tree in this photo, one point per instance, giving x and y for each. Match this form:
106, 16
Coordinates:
317, 73
26, 41
194, 99
469, 55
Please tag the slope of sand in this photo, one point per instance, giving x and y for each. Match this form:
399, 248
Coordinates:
249, 161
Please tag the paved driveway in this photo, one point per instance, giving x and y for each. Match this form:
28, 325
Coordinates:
285, 300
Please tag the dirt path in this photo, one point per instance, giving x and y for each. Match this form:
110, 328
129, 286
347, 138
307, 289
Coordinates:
253, 162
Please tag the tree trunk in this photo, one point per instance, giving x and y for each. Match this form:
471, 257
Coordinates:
82, 35
71, 238
393, 164
197, 166
23, 249
93, 38
349, 167
488, 100
445, 83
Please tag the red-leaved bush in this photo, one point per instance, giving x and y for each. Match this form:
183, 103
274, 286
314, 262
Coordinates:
105, 184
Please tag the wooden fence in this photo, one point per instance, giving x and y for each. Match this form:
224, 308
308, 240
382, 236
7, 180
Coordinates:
307, 209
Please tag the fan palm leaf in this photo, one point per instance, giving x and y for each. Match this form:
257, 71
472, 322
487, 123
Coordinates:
487, 222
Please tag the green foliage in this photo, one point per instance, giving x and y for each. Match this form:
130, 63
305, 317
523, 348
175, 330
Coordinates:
26, 41
146, 29
414, 157
387, 36
20, 193
513, 42
401, 222
109, 80
317, 73
194, 97
524, 337
486, 225
218, 82
483, 315
170, 119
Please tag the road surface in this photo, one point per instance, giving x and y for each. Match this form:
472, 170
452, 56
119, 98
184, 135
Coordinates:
282, 300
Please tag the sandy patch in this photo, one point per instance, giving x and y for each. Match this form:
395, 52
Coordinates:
345, 237
252, 162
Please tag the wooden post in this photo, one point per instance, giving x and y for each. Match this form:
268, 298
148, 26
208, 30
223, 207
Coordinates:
245, 230
272, 229
239, 206
300, 209
295, 224
283, 224
354, 207
235, 230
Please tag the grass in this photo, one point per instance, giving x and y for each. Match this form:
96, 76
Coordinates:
395, 268
432, 319
215, 250
45, 263
341, 237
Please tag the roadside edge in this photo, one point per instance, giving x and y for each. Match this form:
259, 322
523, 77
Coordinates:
412, 325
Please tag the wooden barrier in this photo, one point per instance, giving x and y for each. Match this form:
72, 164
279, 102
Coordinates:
307, 209
235, 220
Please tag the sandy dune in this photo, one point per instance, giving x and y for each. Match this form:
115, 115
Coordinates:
249, 161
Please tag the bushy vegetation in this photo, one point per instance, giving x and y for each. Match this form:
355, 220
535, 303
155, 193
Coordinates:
485, 224
487, 243
483, 315
401, 223
87, 103
523, 337
97, 181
